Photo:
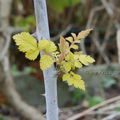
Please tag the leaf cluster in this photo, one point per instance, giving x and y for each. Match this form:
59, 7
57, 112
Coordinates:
66, 60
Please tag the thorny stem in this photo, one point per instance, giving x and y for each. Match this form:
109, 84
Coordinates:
50, 78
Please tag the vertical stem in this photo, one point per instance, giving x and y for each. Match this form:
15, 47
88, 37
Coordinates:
42, 31
118, 44
5, 8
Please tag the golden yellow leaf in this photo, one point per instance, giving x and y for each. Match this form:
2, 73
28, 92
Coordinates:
78, 64
67, 66
47, 45
90, 59
51, 47
74, 79
70, 39
46, 62
75, 47
28, 44
64, 45
86, 59
42, 44
74, 36
25, 41
69, 57
32, 55
66, 77
83, 34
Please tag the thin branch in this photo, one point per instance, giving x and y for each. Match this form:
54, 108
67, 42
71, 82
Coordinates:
113, 116
7, 38
110, 107
110, 12
79, 115
108, 7
6, 47
89, 23
92, 14
101, 113
107, 34
55, 38
102, 53
64, 32
8, 88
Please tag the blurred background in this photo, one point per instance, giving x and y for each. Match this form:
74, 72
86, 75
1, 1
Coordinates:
22, 80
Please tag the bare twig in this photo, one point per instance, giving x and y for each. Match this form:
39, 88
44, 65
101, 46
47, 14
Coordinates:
107, 7
110, 12
79, 115
107, 34
7, 38
92, 14
101, 113
102, 53
8, 88
110, 107
6, 47
64, 32
113, 116
95, 40
89, 23
14, 29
